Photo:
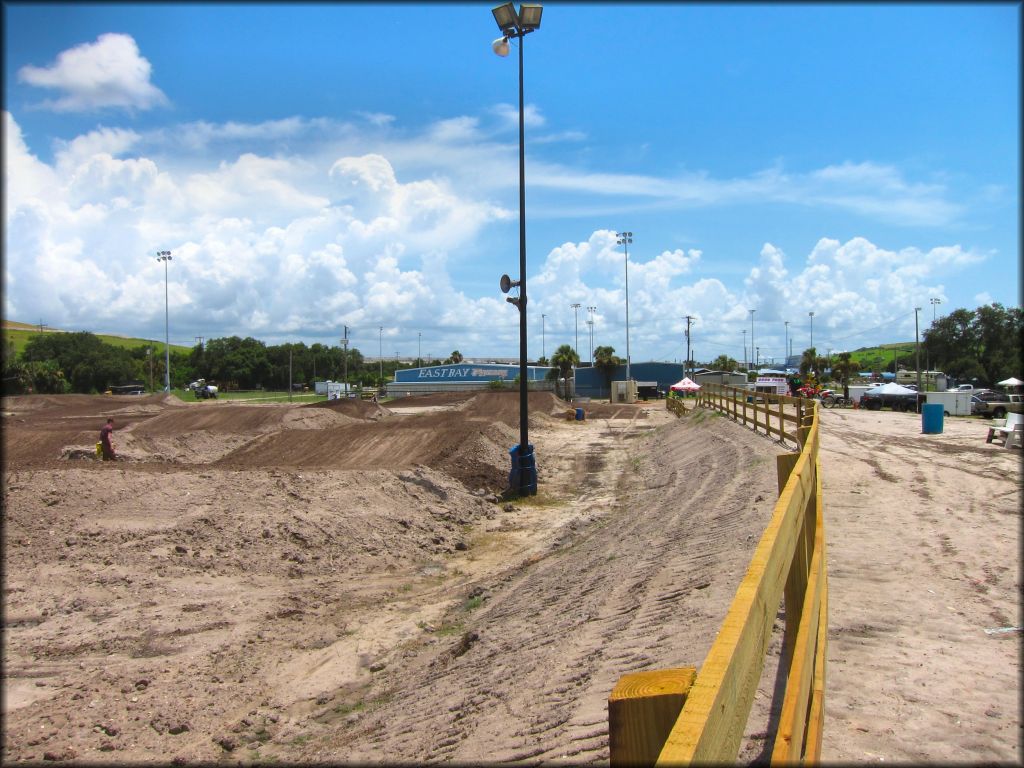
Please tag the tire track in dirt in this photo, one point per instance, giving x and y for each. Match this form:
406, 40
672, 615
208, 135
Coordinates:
634, 586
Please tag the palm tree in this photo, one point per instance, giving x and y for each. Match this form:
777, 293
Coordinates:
724, 363
809, 361
844, 369
455, 357
606, 361
564, 359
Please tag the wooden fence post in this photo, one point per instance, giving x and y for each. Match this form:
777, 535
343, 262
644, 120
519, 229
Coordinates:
642, 709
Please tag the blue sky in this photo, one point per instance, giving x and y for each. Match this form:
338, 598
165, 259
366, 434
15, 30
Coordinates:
315, 166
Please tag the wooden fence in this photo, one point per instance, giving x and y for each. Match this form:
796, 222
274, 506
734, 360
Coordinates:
679, 716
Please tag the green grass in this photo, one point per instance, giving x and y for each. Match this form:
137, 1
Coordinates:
21, 334
878, 358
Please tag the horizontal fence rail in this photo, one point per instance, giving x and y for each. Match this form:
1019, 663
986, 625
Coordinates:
682, 716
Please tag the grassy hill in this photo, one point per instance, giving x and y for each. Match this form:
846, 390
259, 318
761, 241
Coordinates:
20, 333
881, 357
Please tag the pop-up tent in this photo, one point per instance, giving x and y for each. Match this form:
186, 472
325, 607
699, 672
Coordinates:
892, 388
685, 385
1011, 382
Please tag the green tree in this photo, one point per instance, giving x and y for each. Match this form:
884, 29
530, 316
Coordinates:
606, 361
564, 359
724, 363
455, 357
843, 370
982, 344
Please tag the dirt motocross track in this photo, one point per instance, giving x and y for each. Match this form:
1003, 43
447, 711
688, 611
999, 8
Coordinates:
340, 583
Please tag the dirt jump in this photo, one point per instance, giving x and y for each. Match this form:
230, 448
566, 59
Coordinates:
341, 582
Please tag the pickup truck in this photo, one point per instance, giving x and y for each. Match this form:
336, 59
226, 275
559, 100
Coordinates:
995, 405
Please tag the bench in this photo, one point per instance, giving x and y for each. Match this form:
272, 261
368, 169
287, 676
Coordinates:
1010, 433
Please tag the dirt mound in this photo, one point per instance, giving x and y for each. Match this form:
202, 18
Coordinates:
504, 406
470, 449
435, 398
364, 410
223, 418
613, 411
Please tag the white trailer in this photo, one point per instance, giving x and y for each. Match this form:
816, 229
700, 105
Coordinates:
953, 403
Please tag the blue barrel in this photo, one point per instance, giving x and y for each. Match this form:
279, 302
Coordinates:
931, 418
523, 476
579, 414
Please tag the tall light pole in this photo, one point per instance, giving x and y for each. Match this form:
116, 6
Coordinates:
752, 311
576, 314
380, 353
590, 322
624, 239
746, 367
344, 359
917, 349
518, 25
543, 343
785, 349
419, 346
927, 355
165, 256
686, 365
811, 315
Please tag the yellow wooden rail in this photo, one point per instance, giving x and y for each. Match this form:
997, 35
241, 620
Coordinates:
679, 716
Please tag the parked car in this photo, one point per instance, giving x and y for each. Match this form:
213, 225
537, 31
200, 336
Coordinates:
875, 401
995, 405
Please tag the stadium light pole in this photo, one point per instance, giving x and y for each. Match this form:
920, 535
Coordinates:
543, 344
927, 355
518, 25
165, 256
752, 311
590, 322
575, 306
380, 353
811, 315
746, 366
917, 348
419, 346
785, 348
624, 239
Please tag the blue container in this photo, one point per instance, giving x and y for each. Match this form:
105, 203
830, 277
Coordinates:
579, 414
931, 418
523, 477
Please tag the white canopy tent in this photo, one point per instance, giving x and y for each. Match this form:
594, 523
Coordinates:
686, 384
1011, 382
892, 388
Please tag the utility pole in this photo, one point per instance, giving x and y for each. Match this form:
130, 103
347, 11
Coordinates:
576, 313
380, 354
543, 346
752, 311
624, 239
590, 322
289, 373
686, 365
927, 355
785, 348
917, 349
344, 343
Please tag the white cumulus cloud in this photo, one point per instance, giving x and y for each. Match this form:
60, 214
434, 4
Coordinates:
110, 72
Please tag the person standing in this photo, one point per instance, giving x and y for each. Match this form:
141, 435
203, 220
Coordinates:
106, 440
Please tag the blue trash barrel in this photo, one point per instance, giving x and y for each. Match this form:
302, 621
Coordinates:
931, 418
524, 465
579, 414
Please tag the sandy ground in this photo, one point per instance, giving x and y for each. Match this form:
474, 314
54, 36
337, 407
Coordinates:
341, 583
